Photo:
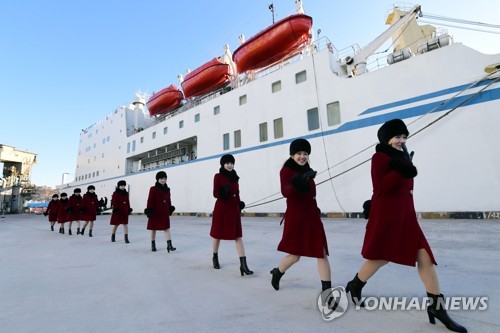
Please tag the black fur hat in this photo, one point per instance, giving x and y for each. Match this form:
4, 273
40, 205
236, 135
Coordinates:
300, 145
90, 187
391, 129
55, 196
77, 190
121, 182
64, 194
228, 158
160, 175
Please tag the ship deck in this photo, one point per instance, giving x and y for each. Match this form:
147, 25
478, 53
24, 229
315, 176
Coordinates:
59, 283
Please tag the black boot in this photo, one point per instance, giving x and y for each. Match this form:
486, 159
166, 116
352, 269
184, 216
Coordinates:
436, 309
170, 247
244, 267
83, 231
126, 239
69, 232
112, 237
51, 228
354, 287
90, 233
60, 230
275, 281
215, 261
327, 285
77, 231
153, 246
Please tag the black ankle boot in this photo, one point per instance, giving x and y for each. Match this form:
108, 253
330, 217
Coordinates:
215, 261
244, 267
327, 285
354, 287
153, 246
275, 280
170, 247
436, 309
69, 232
112, 237
60, 230
51, 228
83, 231
126, 239
77, 231
90, 233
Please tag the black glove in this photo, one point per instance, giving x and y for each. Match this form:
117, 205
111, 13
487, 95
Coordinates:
45, 213
172, 209
116, 210
130, 210
366, 208
309, 174
405, 168
410, 155
242, 205
148, 212
300, 183
225, 192
81, 209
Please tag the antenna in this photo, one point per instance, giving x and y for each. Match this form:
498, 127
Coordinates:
271, 8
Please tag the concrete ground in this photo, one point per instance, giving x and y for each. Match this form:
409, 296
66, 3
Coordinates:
59, 283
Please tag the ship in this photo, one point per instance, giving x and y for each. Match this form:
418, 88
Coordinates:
447, 93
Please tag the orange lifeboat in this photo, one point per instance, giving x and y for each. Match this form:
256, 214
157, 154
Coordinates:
165, 100
274, 43
206, 78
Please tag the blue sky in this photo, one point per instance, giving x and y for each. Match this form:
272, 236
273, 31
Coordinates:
66, 64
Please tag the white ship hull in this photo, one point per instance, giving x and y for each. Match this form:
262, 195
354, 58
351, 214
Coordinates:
457, 156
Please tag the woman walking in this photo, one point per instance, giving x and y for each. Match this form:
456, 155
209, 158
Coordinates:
90, 208
159, 208
51, 211
121, 210
226, 219
62, 208
392, 232
75, 209
303, 232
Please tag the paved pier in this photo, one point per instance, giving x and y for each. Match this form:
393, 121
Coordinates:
59, 283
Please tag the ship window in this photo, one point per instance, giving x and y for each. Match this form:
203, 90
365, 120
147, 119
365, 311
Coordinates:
333, 113
276, 86
237, 138
128, 147
165, 130
153, 135
142, 139
263, 132
97, 173
103, 140
216, 110
107, 139
102, 156
133, 145
225, 141
243, 99
181, 124
313, 119
93, 174
278, 128
196, 117
300, 77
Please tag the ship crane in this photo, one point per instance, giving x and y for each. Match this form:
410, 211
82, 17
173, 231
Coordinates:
356, 64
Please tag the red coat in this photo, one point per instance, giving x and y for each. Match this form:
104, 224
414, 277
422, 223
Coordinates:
75, 207
90, 206
120, 200
303, 232
62, 215
159, 202
52, 210
226, 219
392, 231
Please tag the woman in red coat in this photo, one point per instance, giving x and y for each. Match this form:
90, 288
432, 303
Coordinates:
90, 207
226, 219
303, 232
121, 210
51, 211
159, 208
62, 211
75, 209
392, 232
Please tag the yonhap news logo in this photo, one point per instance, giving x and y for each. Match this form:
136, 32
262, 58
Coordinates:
333, 303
